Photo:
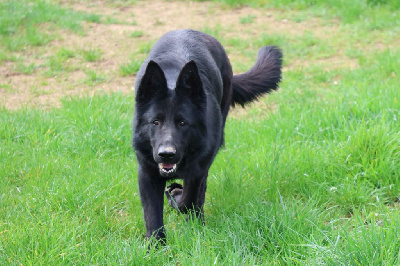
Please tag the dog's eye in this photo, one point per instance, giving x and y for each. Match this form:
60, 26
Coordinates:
156, 122
182, 123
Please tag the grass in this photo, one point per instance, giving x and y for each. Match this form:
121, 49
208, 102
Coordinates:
133, 65
91, 55
94, 77
372, 14
24, 68
136, 34
22, 23
310, 175
130, 68
247, 19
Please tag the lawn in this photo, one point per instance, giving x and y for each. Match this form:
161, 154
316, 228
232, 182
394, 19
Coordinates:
308, 175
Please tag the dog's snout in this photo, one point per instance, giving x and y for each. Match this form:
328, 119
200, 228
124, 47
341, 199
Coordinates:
167, 152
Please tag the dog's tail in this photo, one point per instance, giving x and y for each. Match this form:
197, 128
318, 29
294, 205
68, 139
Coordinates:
263, 77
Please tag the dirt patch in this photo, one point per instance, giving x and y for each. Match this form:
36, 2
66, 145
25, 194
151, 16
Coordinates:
153, 19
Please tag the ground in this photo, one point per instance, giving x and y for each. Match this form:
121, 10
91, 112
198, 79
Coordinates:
150, 19
308, 174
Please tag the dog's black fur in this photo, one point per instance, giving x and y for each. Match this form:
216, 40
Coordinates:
183, 93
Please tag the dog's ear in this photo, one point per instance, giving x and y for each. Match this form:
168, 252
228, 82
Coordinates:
189, 84
153, 83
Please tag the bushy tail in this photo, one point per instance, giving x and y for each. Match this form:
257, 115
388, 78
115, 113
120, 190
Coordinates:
263, 77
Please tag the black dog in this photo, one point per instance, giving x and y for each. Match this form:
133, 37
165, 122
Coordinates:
183, 93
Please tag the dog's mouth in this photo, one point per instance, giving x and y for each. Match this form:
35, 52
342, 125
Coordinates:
167, 169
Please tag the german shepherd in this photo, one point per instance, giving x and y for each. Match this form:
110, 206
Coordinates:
183, 92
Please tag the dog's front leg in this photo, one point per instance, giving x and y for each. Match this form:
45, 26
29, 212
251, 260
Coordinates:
188, 198
151, 188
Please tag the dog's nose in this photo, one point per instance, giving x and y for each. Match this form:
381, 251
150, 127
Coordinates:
166, 152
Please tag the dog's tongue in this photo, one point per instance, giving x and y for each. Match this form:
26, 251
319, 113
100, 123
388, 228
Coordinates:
167, 166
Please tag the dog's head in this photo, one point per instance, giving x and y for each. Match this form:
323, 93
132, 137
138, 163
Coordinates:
170, 120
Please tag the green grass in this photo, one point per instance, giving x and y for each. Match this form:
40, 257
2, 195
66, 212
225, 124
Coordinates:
373, 14
65, 53
136, 34
22, 23
91, 55
247, 19
6, 87
311, 177
315, 181
130, 68
25, 68
94, 77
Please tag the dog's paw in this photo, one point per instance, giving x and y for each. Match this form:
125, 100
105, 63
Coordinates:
174, 193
